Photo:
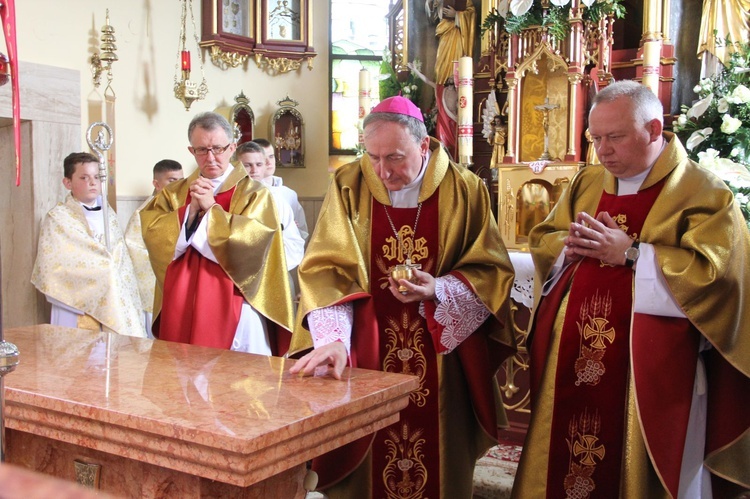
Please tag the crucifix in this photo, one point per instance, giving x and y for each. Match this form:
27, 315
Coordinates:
545, 110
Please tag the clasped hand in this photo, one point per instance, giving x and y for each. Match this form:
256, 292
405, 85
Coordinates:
201, 195
599, 238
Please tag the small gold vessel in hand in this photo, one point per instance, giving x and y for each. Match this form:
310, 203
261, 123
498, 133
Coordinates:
404, 271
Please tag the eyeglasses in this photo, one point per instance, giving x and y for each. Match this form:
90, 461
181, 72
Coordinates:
216, 150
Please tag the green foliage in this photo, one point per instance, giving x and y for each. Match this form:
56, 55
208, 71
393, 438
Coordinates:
391, 83
554, 18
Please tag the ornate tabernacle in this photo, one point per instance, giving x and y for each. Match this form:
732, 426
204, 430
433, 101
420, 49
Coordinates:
241, 116
526, 195
287, 132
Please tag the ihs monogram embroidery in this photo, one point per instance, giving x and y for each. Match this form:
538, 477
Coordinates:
403, 246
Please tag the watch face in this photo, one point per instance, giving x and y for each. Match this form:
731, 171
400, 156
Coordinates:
632, 253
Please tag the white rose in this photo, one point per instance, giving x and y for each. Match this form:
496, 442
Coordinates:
697, 88
729, 124
682, 120
722, 106
560, 3
707, 158
741, 94
742, 199
697, 137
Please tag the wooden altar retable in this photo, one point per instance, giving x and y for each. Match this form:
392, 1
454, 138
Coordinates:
166, 419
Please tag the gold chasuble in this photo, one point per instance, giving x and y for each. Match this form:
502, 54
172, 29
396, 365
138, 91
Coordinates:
452, 418
245, 236
612, 388
75, 268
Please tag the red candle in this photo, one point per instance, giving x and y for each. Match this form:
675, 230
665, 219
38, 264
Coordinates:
186, 60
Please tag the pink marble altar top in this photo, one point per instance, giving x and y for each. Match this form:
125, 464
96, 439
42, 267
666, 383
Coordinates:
229, 416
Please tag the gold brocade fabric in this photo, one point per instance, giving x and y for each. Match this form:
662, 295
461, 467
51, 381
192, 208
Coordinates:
141, 263
728, 18
337, 258
75, 268
246, 242
702, 247
456, 39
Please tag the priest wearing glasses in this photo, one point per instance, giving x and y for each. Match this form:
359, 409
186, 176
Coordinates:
216, 241
405, 209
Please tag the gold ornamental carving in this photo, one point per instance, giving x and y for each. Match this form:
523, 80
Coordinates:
226, 60
278, 65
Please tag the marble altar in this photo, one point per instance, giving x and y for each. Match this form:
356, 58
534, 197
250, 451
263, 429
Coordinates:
172, 420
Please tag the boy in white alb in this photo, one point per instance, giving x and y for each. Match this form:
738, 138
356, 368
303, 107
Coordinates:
288, 194
87, 285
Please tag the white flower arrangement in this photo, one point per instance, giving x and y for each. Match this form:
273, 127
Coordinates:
716, 128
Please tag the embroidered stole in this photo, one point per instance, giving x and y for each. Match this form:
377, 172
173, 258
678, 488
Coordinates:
201, 305
592, 369
406, 454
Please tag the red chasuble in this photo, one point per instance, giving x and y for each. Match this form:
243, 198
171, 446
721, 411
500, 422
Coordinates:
591, 380
194, 285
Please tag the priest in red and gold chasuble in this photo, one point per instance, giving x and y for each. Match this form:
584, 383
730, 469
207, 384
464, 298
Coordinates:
616, 389
453, 416
201, 301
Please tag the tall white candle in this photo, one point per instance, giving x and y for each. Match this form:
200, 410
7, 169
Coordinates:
364, 99
465, 114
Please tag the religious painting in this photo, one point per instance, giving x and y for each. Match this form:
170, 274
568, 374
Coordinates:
236, 17
287, 135
284, 20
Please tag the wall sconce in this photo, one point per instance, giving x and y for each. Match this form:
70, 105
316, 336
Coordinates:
185, 89
106, 56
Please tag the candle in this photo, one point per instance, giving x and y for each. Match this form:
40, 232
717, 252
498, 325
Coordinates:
185, 59
465, 115
364, 93
364, 102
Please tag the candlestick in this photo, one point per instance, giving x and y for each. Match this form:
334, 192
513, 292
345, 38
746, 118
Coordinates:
465, 110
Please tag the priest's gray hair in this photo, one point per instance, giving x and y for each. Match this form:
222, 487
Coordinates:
416, 128
210, 121
646, 105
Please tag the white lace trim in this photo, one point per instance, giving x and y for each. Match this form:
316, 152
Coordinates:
331, 324
458, 310
523, 284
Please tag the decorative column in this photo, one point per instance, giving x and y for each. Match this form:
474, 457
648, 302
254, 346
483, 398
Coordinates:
465, 114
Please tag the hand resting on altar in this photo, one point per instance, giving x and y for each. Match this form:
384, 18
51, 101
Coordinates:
330, 355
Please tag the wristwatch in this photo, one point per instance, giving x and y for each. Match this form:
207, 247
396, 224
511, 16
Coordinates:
632, 254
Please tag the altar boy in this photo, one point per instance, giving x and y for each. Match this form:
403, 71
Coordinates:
88, 286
